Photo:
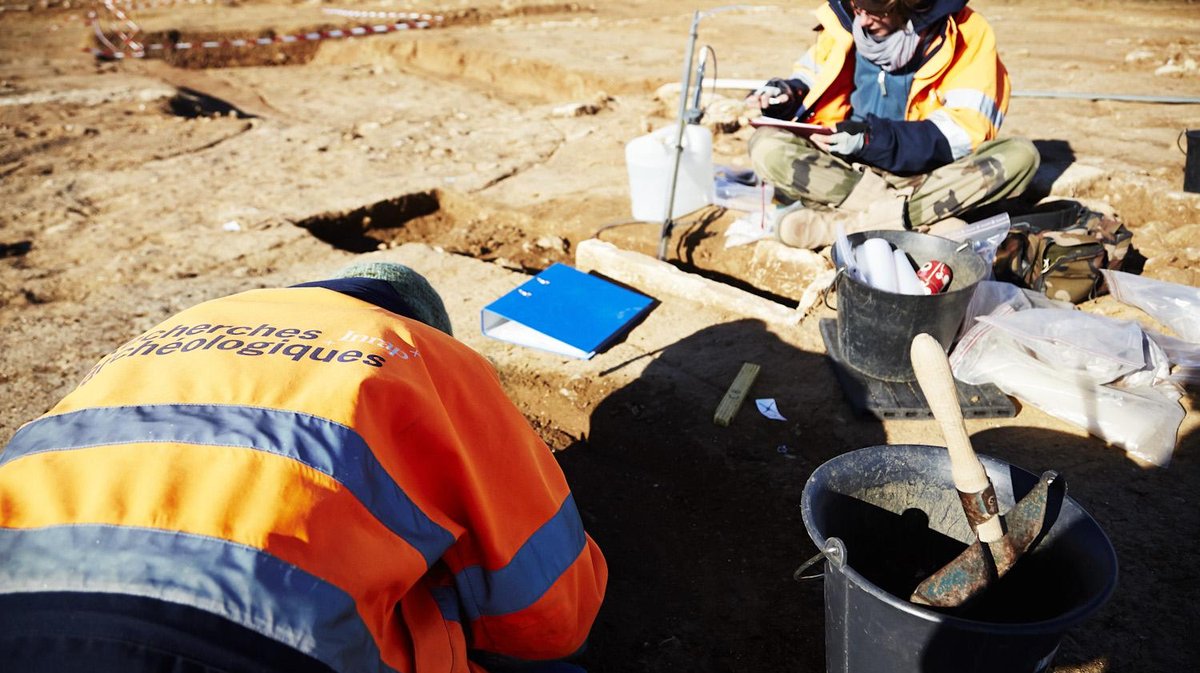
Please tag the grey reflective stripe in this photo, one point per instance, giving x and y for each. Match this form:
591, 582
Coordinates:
977, 101
960, 141
244, 585
536, 566
806, 61
328, 447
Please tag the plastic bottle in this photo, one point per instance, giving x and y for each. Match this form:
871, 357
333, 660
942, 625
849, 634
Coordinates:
650, 160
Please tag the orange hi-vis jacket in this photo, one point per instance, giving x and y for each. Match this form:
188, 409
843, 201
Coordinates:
308, 465
963, 88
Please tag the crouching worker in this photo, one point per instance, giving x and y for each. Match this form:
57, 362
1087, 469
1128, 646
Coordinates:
313, 478
916, 94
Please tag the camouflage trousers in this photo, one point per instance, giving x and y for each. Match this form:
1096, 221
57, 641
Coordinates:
800, 171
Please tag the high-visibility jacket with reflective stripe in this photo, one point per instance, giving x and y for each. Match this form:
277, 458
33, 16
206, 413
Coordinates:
963, 88
313, 467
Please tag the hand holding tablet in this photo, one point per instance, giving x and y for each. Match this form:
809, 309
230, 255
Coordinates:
799, 128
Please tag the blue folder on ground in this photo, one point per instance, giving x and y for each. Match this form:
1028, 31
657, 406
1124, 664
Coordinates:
565, 311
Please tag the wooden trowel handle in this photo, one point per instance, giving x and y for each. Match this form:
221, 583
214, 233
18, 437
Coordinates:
937, 382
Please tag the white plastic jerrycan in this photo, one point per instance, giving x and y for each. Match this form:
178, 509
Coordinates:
650, 159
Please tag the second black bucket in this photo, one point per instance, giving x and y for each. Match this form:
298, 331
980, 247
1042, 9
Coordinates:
876, 328
1191, 166
886, 517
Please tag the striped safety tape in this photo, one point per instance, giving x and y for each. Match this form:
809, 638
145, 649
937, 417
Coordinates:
368, 14
151, 4
122, 28
52, 4
313, 36
79, 4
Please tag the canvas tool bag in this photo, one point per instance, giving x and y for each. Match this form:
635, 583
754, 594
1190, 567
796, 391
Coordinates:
1060, 250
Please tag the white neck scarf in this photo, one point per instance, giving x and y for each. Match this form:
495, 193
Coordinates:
890, 53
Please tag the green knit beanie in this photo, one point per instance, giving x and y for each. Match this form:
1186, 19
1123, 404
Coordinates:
414, 290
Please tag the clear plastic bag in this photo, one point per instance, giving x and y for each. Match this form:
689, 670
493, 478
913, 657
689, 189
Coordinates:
1185, 355
1061, 362
844, 255
991, 296
740, 189
984, 237
1174, 305
1094, 346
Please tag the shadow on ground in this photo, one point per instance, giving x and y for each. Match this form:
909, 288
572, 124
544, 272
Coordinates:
701, 524
1149, 516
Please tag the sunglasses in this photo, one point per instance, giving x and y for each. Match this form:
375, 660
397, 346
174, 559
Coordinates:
874, 14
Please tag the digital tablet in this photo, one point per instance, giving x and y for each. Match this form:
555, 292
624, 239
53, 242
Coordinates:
798, 128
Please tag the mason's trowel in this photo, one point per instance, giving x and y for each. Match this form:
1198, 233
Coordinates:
1000, 540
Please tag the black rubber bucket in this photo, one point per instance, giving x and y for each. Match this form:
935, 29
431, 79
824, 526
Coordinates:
886, 517
875, 328
1191, 166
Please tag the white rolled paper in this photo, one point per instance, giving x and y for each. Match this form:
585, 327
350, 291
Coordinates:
906, 275
880, 264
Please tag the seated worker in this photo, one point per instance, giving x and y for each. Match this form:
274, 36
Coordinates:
313, 478
916, 94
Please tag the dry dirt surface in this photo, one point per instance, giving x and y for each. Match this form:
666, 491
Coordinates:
489, 145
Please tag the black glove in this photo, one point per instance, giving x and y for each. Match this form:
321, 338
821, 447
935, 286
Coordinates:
852, 127
849, 138
792, 91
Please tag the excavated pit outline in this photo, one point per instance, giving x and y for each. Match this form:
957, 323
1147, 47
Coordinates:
369, 227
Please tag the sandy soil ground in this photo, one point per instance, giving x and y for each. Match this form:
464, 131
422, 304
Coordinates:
488, 147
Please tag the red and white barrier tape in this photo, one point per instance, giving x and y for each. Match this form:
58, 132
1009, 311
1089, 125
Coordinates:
29, 7
122, 27
314, 36
367, 14
79, 4
126, 30
152, 4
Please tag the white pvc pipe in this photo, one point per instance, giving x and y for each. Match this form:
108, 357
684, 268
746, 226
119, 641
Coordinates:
752, 84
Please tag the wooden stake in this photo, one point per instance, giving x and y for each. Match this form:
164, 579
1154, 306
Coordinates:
736, 394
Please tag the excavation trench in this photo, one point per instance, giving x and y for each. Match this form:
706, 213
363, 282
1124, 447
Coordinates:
419, 45
455, 222
460, 224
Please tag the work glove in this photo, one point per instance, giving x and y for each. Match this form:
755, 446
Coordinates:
848, 138
780, 98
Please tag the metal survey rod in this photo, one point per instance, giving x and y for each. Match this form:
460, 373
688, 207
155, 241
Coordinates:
695, 113
668, 221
